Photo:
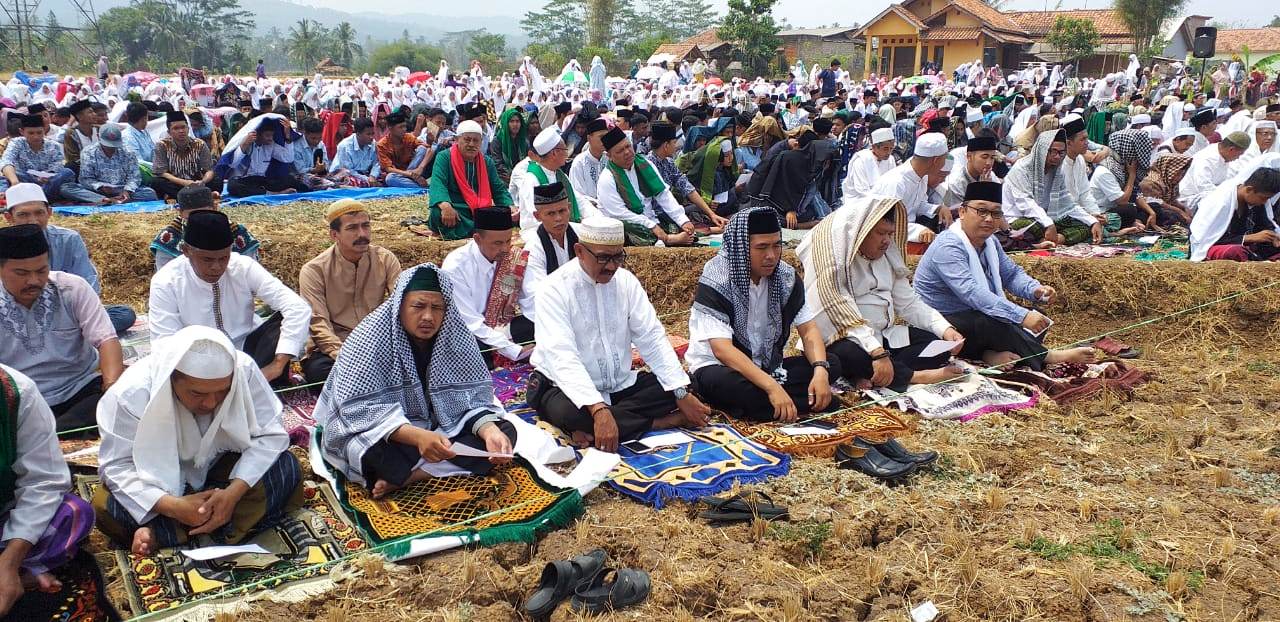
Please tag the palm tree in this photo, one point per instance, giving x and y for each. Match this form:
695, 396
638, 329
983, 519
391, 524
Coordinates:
345, 48
305, 44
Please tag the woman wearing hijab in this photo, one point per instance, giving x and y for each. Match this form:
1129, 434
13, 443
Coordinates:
510, 143
409, 387
714, 172
1160, 189
763, 133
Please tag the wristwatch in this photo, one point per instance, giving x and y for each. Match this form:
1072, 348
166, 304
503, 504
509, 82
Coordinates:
823, 364
681, 392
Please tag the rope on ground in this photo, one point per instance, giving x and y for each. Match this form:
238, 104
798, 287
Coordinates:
250, 586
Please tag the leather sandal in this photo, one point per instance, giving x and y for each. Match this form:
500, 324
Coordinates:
628, 587
560, 580
742, 507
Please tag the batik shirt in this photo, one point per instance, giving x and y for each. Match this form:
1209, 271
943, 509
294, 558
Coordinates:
120, 170
677, 181
22, 158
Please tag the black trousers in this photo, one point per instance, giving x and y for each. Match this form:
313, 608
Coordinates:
857, 364
166, 189
726, 389
316, 368
984, 333
79, 410
393, 462
933, 222
257, 184
261, 344
521, 333
634, 408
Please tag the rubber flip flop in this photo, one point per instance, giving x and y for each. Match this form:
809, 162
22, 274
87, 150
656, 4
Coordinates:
745, 503
560, 579
628, 587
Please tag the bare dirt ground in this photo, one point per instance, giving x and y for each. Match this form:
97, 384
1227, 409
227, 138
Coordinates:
1162, 507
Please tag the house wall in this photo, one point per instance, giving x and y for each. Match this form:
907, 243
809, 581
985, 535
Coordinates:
893, 32
817, 50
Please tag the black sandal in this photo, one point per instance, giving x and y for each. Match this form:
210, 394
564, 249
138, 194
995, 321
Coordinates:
628, 587
742, 507
560, 580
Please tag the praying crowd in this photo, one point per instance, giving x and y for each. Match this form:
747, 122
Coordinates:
549, 182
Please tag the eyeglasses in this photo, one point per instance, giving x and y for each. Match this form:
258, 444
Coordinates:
1057, 152
605, 260
993, 214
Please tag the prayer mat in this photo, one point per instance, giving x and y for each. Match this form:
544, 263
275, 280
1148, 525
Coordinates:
299, 404
1164, 250
509, 383
718, 459
510, 504
136, 341
81, 453
875, 423
1069, 382
83, 597
678, 343
170, 582
962, 399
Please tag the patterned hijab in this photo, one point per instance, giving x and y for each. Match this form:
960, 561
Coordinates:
376, 378
1128, 147
1167, 173
726, 277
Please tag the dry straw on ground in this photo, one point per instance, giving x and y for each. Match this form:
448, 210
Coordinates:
1163, 507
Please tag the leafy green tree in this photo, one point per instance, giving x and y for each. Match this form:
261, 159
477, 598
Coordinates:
1074, 38
345, 50
547, 58
126, 30
749, 25
487, 47
172, 33
412, 55
1275, 22
1144, 18
558, 28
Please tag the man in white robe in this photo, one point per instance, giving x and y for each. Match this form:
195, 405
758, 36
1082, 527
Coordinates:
547, 156
1037, 205
211, 286
979, 160
590, 313
1209, 168
192, 444
487, 285
41, 521
1075, 170
867, 165
585, 171
911, 182
631, 190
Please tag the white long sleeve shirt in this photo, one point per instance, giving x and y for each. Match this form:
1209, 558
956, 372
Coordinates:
179, 298
521, 188
121, 409
585, 172
586, 330
703, 327
864, 171
1208, 170
1076, 179
883, 297
255, 163
472, 278
42, 477
903, 182
535, 270
613, 205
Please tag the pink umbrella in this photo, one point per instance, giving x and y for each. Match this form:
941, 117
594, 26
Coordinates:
142, 77
715, 81
418, 76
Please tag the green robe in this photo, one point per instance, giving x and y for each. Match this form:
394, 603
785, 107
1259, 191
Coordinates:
444, 189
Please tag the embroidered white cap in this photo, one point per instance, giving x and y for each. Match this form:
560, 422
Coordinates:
931, 145
1140, 119
973, 115
469, 127
881, 135
18, 194
546, 141
207, 360
601, 230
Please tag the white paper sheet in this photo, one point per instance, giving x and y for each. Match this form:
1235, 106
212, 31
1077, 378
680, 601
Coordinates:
723, 197
938, 346
743, 178
1038, 334
467, 450
214, 552
802, 430
666, 440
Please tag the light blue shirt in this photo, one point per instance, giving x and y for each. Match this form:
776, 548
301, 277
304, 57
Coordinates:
943, 281
140, 143
67, 253
349, 155
304, 156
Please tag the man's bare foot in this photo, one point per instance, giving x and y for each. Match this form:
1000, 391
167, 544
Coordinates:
45, 582
931, 376
582, 440
673, 420
143, 541
382, 488
1083, 354
996, 359
1043, 244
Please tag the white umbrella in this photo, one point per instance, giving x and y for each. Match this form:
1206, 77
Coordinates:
650, 72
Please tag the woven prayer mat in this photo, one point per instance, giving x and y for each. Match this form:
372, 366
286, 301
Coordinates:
1069, 382
83, 597
169, 582
509, 383
299, 404
81, 453
718, 459
136, 341
510, 504
875, 424
962, 399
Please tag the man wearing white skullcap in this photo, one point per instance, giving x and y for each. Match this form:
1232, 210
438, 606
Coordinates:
192, 444
866, 166
547, 157
590, 313
912, 180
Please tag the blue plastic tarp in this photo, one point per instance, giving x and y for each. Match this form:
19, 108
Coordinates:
266, 199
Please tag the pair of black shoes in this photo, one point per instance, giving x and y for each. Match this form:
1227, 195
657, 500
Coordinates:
889, 461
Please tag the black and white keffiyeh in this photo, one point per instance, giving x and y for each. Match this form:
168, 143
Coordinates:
724, 291
374, 385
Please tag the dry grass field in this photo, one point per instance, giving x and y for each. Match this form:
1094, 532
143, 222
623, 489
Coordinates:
1164, 507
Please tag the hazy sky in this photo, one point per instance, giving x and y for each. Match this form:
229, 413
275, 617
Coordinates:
805, 13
